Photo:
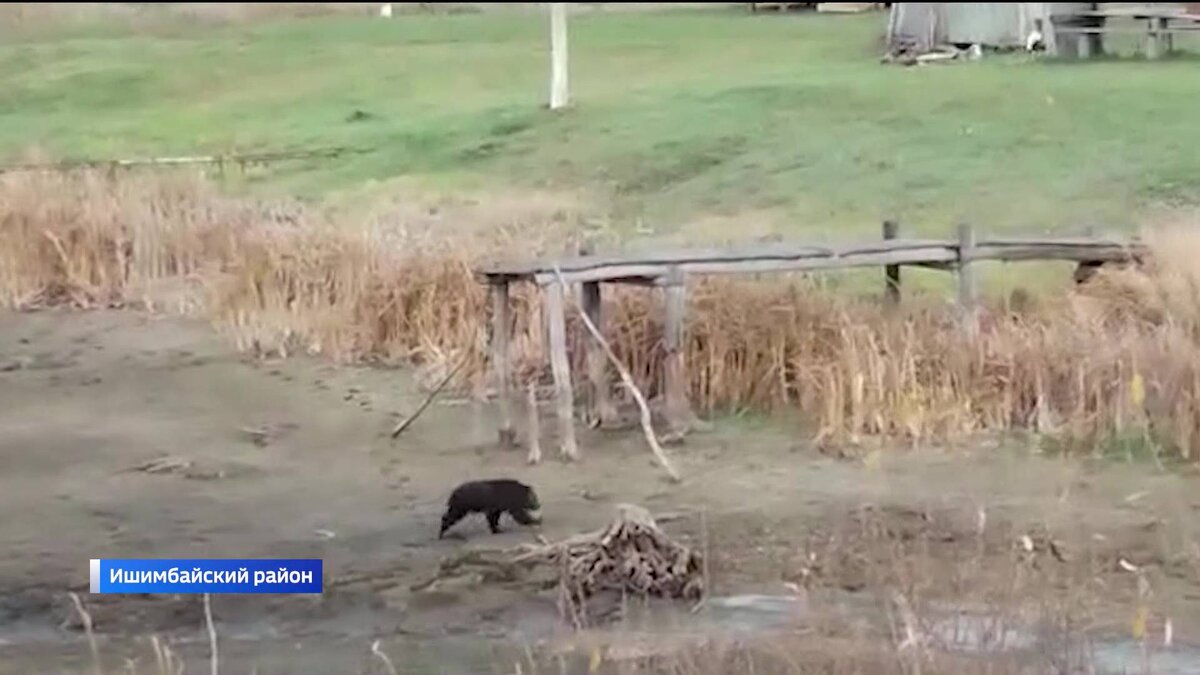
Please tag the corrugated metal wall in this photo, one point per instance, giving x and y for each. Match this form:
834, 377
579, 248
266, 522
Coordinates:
995, 24
913, 23
985, 23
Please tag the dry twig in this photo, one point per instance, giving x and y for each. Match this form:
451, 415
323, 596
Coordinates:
627, 379
429, 399
629, 556
387, 662
87, 629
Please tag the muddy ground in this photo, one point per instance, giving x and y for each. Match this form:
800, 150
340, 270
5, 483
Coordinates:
129, 435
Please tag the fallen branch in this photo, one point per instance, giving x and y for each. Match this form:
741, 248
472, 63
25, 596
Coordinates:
161, 465
429, 399
627, 379
631, 556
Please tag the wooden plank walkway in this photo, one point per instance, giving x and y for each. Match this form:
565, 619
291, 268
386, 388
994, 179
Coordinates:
653, 266
670, 270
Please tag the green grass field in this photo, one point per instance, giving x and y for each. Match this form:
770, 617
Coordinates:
677, 115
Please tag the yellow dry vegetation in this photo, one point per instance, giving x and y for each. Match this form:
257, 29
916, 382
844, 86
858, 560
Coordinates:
1120, 355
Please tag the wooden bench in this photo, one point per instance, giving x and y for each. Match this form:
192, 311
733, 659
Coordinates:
1157, 27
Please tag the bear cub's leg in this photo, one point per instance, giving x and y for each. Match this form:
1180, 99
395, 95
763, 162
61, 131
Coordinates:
493, 518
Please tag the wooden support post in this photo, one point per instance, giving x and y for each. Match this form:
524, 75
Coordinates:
534, 427
601, 410
1083, 45
502, 371
1050, 36
891, 229
558, 55
1152, 37
1096, 48
967, 291
564, 394
676, 385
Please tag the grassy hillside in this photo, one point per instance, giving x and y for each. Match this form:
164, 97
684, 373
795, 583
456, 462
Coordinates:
678, 115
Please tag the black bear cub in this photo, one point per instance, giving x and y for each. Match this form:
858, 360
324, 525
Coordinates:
492, 498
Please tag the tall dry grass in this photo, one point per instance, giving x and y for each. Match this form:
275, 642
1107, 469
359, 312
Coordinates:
1118, 359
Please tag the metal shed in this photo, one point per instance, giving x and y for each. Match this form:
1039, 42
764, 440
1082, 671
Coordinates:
925, 25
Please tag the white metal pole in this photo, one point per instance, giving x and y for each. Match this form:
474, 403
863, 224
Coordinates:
558, 55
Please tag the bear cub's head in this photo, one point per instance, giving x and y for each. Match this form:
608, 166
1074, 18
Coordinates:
533, 507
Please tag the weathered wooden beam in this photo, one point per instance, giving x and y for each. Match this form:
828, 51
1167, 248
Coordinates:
657, 271
652, 268
601, 408
655, 263
1065, 241
1052, 252
501, 368
661, 258
1117, 30
891, 273
678, 411
837, 261
560, 365
654, 274
967, 289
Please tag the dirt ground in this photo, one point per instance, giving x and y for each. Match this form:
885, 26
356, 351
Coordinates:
293, 459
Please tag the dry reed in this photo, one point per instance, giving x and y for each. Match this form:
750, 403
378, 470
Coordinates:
86, 619
1118, 358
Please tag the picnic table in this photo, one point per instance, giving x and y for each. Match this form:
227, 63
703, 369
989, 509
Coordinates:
1159, 24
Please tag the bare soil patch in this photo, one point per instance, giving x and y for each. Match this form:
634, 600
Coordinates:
129, 435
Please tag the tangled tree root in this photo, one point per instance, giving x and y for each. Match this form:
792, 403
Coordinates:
631, 556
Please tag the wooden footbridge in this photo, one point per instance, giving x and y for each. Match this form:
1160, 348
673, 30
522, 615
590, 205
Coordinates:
671, 269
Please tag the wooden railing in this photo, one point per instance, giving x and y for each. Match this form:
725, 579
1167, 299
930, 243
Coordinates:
671, 269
